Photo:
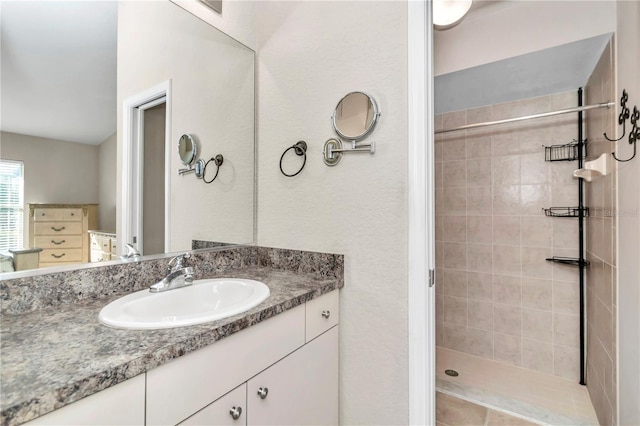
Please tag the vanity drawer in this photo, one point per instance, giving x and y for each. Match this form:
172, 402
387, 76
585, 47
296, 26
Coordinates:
57, 228
43, 215
99, 256
52, 241
61, 255
322, 313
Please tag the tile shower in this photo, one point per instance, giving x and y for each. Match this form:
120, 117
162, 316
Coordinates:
497, 297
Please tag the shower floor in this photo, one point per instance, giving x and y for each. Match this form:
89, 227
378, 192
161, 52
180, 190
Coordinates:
534, 396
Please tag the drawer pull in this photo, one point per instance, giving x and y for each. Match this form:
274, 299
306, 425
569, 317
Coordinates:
326, 314
58, 229
235, 412
57, 256
263, 392
58, 242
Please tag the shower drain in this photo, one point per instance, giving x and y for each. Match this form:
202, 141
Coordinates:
452, 373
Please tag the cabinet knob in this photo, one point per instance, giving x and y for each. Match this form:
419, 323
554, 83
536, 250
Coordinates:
235, 412
326, 314
263, 392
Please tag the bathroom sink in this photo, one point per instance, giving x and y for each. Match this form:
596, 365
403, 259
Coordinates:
203, 301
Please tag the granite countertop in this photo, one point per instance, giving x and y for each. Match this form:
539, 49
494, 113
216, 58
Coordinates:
55, 356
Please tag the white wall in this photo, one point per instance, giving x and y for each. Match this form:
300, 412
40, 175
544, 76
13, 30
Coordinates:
236, 19
54, 171
310, 54
628, 70
212, 99
107, 184
505, 29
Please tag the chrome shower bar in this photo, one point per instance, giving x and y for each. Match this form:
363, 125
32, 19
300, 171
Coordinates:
527, 117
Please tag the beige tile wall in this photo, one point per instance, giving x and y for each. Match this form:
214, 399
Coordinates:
600, 195
497, 297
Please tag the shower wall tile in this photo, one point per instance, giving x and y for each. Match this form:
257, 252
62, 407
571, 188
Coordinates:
507, 348
601, 243
497, 295
537, 294
479, 229
537, 356
506, 230
479, 172
537, 325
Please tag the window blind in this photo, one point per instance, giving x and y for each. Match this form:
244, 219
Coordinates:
11, 204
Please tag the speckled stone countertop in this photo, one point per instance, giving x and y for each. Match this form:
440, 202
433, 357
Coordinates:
57, 355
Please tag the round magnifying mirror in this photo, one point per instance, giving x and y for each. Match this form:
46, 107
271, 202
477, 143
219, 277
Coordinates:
187, 149
355, 116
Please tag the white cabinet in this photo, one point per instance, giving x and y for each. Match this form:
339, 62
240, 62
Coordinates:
292, 359
301, 389
122, 404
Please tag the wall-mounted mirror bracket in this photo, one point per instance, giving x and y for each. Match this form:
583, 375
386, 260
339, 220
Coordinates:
334, 150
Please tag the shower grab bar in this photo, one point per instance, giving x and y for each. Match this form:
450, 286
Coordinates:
527, 117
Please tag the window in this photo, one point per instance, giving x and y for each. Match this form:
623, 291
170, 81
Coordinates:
11, 204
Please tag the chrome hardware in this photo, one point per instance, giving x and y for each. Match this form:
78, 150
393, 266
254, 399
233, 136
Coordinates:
179, 276
132, 253
235, 412
326, 314
263, 392
334, 150
58, 229
58, 242
432, 277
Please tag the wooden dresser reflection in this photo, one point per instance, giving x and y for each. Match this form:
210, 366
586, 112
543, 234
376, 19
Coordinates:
61, 231
103, 246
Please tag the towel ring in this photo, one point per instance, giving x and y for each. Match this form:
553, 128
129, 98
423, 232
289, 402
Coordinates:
217, 160
300, 149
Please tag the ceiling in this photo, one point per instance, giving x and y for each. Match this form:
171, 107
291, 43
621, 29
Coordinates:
58, 69
553, 70
544, 72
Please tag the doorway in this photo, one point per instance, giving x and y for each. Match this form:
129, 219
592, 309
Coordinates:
145, 170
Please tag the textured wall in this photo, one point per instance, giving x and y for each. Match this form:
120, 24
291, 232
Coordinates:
107, 184
498, 298
310, 54
628, 220
600, 197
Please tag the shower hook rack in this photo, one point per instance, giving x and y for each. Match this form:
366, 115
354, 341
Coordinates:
634, 135
623, 117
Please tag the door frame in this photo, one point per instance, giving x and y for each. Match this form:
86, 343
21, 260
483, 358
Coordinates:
133, 164
421, 214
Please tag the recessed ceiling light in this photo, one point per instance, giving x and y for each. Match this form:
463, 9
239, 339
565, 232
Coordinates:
447, 13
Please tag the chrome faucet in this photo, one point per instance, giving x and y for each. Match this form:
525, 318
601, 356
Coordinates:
132, 253
179, 275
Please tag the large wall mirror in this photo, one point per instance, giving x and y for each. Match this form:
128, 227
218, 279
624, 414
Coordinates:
67, 69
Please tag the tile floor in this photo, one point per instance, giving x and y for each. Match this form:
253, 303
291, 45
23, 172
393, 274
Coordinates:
540, 398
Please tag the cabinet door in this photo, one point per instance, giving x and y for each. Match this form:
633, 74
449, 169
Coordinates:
122, 404
301, 389
229, 410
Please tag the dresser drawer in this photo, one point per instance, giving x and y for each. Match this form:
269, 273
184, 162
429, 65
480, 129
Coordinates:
57, 228
99, 256
44, 215
61, 255
53, 241
322, 313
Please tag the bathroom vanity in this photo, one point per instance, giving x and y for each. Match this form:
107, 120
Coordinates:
274, 364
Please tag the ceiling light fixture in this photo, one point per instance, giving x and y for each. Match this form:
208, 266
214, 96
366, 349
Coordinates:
447, 13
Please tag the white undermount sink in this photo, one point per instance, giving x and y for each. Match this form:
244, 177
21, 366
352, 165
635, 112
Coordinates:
203, 301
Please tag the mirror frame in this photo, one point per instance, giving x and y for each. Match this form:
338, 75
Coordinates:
194, 150
368, 130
